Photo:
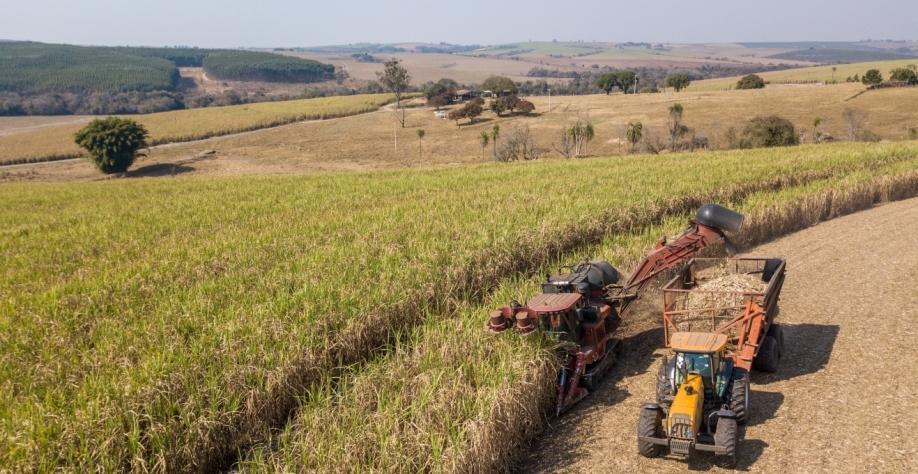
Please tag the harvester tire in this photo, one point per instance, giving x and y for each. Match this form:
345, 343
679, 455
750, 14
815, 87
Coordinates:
739, 396
650, 425
769, 355
727, 436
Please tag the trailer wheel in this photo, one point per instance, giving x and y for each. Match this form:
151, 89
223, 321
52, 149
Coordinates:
727, 437
739, 396
777, 332
649, 426
769, 355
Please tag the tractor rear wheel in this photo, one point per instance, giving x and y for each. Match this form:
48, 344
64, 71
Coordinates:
727, 437
649, 426
769, 355
739, 396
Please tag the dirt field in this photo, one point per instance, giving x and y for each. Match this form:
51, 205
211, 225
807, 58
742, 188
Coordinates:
842, 400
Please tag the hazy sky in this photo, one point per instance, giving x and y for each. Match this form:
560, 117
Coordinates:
229, 23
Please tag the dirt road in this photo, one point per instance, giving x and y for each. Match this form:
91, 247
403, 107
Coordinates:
844, 398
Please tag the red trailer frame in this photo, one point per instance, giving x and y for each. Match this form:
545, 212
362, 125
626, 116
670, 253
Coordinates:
746, 316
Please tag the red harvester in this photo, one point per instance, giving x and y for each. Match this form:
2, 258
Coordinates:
583, 308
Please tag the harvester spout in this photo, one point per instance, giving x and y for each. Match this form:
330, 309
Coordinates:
719, 217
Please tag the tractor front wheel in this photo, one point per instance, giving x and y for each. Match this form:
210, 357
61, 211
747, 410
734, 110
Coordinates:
739, 396
727, 437
649, 426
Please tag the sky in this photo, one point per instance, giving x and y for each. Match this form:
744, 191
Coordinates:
278, 23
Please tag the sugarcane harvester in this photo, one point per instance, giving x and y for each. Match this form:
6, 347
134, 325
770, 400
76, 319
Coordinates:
583, 308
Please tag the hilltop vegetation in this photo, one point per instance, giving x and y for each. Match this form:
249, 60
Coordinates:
29, 68
50, 79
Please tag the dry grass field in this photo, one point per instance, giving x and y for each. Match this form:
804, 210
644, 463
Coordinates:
815, 74
29, 142
367, 141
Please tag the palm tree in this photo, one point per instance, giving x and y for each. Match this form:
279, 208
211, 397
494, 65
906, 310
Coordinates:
421, 134
495, 133
483, 139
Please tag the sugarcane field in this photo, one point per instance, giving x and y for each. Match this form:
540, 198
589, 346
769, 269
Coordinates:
401, 239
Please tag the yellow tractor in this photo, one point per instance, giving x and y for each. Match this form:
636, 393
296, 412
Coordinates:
701, 402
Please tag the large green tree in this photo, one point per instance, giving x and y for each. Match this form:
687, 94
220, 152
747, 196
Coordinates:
752, 81
499, 84
678, 81
872, 77
904, 74
112, 143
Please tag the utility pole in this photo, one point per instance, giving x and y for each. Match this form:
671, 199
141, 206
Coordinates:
549, 99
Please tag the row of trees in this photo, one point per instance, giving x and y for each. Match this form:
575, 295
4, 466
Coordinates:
627, 82
906, 75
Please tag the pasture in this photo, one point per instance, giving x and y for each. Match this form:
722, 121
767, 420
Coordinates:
367, 141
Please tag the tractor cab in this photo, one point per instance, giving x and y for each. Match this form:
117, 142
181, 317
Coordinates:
702, 354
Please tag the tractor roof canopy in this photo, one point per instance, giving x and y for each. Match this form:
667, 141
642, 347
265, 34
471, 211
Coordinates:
701, 342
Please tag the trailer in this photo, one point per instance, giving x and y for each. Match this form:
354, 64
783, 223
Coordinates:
747, 318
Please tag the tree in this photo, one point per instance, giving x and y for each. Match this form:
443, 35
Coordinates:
575, 138
771, 131
525, 107
499, 84
872, 77
818, 136
483, 140
470, 110
112, 143
438, 101
519, 145
607, 82
904, 74
678, 81
448, 83
626, 80
676, 128
495, 134
421, 134
433, 89
396, 79
499, 106
634, 133
752, 81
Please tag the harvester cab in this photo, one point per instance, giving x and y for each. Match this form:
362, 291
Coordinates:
583, 307
696, 409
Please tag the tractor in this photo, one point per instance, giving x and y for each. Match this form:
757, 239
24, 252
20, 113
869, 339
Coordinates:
703, 391
699, 404
582, 308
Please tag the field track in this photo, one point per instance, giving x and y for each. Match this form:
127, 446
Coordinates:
843, 399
